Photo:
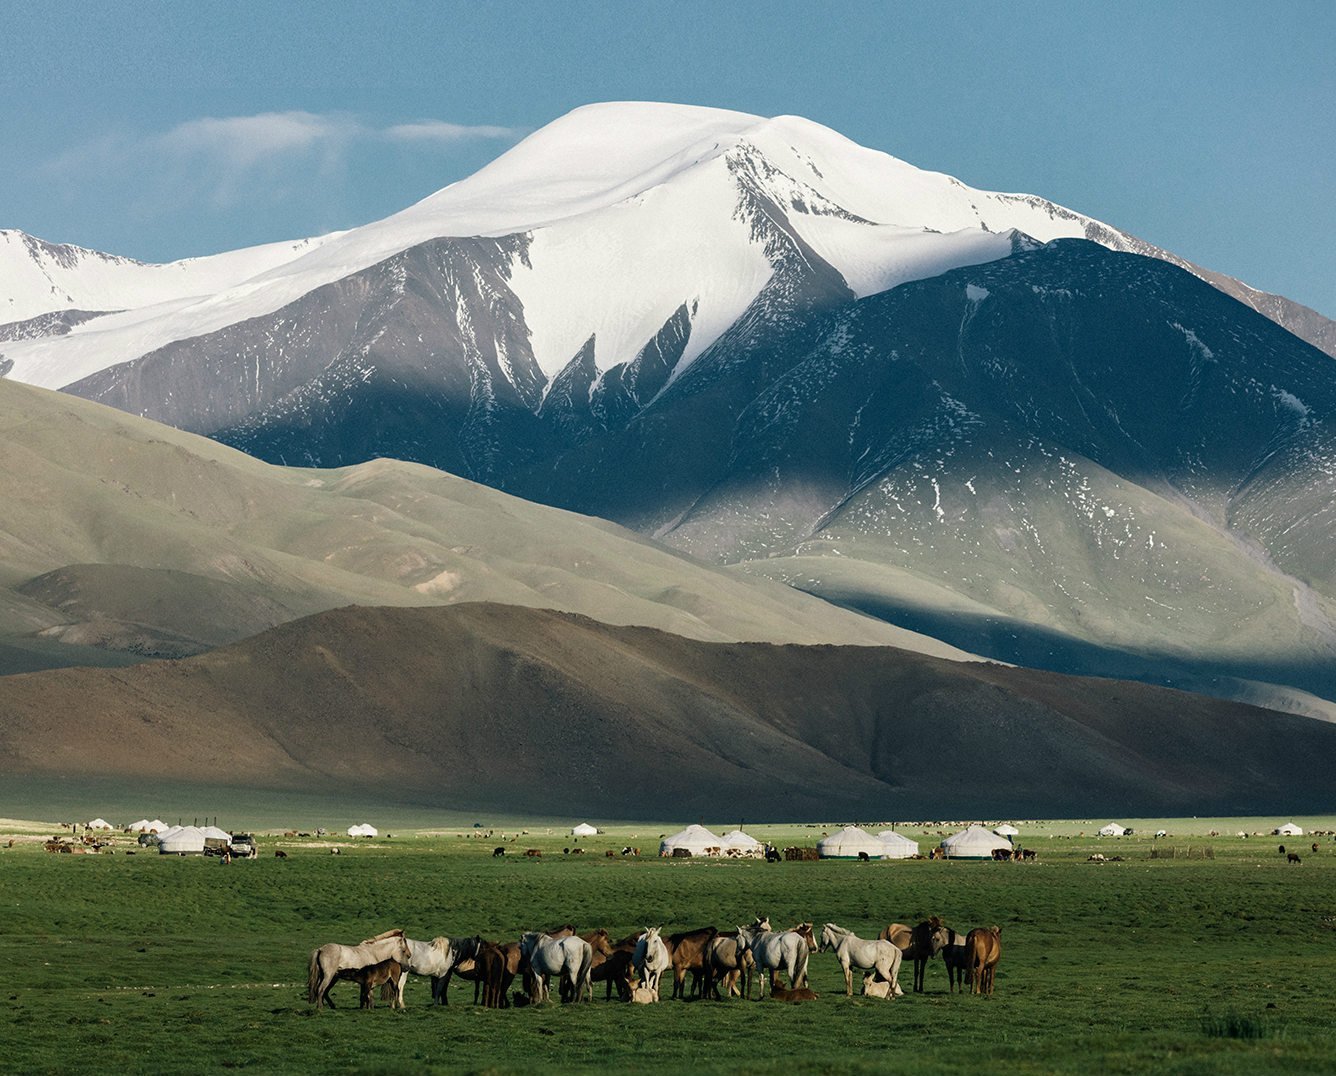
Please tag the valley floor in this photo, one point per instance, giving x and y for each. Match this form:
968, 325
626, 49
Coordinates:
160, 964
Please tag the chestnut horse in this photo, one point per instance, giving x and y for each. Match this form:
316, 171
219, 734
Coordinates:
983, 947
919, 943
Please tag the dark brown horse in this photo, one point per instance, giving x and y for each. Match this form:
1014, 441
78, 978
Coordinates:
955, 956
983, 946
386, 972
918, 943
689, 952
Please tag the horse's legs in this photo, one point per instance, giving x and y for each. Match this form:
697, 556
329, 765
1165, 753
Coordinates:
440, 988
326, 985
848, 980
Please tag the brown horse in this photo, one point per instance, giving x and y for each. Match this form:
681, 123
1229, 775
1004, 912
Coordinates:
472, 971
918, 943
984, 949
601, 948
688, 951
955, 956
386, 972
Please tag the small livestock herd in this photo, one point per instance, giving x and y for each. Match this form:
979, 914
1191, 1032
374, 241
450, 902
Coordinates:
734, 960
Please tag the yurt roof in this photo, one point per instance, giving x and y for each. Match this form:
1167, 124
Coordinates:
694, 838
1007, 830
741, 841
584, 829
897, 844
183, 839
99, 823
215, 834
1113, 828
1291, 830
848, 842
974, 841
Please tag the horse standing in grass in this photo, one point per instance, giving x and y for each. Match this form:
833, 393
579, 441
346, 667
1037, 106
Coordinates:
570, 959
984, 948
651, 960
327, 961
956, 958
787, 951
434, 958
918, 943
854, 952
387, 975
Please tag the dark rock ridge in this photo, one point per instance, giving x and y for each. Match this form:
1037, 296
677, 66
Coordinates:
502, 708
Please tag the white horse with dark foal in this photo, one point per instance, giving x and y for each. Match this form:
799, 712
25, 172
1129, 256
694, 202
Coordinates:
332, 958
854, 952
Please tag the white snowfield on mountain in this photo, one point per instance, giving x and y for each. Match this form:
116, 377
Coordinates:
632, 211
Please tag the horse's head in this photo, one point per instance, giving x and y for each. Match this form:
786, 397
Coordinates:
762, 924
529, 941
402, 952
746, 937
804, 931
829, 939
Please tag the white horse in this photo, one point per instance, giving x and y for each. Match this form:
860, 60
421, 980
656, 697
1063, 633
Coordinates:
854, 952
332, 958
651, 960
570, 959
433, 958
786, 951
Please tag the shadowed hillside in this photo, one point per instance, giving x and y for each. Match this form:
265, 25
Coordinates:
504, 708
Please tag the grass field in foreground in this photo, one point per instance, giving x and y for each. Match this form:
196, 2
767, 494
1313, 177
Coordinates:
158, 964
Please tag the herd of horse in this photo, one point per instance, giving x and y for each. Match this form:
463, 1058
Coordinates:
733, 961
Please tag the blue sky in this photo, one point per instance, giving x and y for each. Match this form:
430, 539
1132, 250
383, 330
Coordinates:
161, 130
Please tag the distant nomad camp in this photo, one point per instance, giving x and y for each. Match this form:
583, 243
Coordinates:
697, 840
182, 841
1289, 829
974, 843
849, 842
737, 843
584, 829
897, 845
363, 830
1113, 829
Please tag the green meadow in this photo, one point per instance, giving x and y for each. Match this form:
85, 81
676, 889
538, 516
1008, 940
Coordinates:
149, 963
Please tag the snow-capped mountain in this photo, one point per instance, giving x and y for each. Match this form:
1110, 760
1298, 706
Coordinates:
982, 415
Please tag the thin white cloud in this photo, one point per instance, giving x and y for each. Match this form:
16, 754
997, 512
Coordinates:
440, 131
226, 159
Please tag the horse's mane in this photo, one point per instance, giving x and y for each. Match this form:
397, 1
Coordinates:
441, 945
382, 937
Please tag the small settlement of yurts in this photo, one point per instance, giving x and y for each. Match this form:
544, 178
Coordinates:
897, 845
974, 842
699, 841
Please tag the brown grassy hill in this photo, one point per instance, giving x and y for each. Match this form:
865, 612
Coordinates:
505, 708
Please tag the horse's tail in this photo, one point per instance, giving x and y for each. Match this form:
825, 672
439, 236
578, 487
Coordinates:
800, 967
584, 978
313, 976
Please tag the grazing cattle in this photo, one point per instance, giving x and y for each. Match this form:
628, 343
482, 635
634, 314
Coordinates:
499, 850
1294, 858
533, 853
956, 958
328, 960
984, 950
609, 854
772, 854
280, 854
863, 857
1314, 846
1282, 849
1001, 854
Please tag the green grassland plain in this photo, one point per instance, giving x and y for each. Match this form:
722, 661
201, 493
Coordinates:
150, 963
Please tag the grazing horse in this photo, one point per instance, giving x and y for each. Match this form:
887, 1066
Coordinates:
919, 943
327, 961
386, 975
855, 952
956, 958
433, 958
984, 949
787, 951
651, 960
570, 959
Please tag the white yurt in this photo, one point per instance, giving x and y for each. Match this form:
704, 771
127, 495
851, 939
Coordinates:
213, 833
1289, 829
163, 834
897, 845
182, 840
157, 826
1007, 830
139, 827
974, 843
98, 823
584, 829
744, 843
363, 830
695, 839
1113, 829
848, 842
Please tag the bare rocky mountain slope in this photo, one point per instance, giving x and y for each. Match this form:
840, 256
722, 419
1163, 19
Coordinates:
528, 711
